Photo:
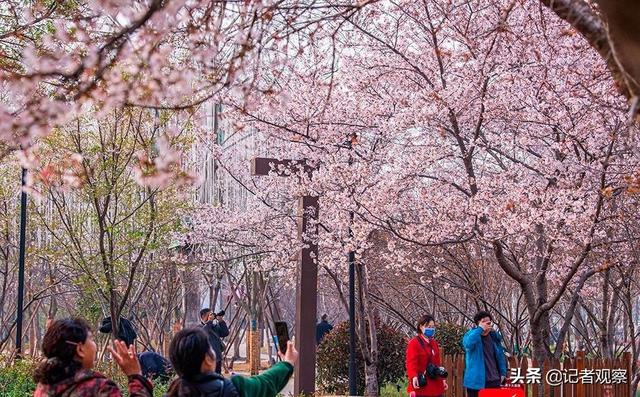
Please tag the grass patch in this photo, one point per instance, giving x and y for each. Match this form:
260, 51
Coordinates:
395, 389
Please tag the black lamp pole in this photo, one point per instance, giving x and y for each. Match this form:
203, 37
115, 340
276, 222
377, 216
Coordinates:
23, 235
352, 322
353, 389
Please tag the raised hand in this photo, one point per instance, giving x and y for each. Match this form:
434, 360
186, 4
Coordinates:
126, 358
291, 356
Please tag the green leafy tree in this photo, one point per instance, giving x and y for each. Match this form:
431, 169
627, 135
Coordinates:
333, 359
105, 230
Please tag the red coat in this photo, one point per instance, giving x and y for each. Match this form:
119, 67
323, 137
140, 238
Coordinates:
417, 359
87, 383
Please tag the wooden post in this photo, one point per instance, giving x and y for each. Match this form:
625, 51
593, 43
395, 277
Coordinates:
306, 300
554, 391
580, 367
253, 348
524, 367
307, 276
566, 388
627, 362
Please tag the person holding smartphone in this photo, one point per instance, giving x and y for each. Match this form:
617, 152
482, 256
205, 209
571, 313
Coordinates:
485, 363
194, 361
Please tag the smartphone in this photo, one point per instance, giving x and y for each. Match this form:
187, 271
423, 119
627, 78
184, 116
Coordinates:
275, 344
282, 335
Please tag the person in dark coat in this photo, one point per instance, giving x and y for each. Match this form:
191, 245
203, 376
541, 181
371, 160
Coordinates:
126, 332
215, 331
154, 366
322, 329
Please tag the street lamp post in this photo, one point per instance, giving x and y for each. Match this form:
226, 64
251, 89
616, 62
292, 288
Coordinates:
21, 257
352, 323
353, 390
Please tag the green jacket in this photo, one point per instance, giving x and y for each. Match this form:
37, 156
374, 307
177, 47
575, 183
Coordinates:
267, 384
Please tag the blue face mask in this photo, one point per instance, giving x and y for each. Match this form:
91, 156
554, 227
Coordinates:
429, 332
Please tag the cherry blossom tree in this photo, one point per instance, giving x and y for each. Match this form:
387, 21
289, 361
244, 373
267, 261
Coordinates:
61, 56
610, 27
491, 123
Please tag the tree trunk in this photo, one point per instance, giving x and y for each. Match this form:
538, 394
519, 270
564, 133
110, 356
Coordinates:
212, 297
629, 305
217, 294
538, 342
371, 380
236, 345
113, 311
191, 298
368, 335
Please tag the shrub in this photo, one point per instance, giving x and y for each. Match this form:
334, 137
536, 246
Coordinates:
449, 337
160, 388
111, 371
396, 389
16, 379
333, 359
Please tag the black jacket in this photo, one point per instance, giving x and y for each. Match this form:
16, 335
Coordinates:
126, 332
322, 329
154, 366
215, 332
213, 385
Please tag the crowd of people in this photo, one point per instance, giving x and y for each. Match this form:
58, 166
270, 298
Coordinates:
485, 363
195, 357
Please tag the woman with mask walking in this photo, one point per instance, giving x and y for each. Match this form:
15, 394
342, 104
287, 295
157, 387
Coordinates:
423, 353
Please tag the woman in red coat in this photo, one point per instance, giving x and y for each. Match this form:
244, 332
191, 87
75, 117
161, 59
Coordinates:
421, 351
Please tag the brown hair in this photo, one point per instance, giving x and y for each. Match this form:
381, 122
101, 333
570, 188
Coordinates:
59, 348
426, 319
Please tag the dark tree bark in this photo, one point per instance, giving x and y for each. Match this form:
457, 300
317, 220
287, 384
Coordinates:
614, 31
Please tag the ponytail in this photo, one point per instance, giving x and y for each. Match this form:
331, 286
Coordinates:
54, 370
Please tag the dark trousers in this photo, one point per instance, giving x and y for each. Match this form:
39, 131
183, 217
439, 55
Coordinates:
488, 385
219, 367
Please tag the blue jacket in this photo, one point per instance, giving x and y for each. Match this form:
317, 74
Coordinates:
474, 372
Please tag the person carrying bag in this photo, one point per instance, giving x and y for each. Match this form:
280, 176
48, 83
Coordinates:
426, 378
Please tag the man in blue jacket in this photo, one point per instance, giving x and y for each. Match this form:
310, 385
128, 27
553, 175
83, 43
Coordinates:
485, 364
322, 329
